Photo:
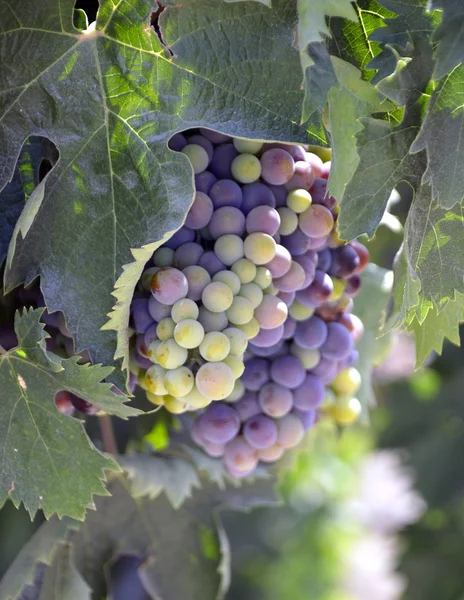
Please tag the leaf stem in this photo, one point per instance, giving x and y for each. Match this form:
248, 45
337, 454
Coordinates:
107, 431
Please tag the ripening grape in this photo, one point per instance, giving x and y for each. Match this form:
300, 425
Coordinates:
170, 355
154, 380
338, 343
179, 382
293, 279
275, 400
189, 333
169, 285
226, 192
268, 337
218, 424
260, 248
256, 374
187, 254
281, 262
152, 349
277, 166
236, 364
212, 321
316, 221
290, 431
240, 311
318, 292
155, 399
263, 277
215, 380
237, 339
184, 309
197, 156
217, 297
302, 178
264, 219
253, 293
247, 146
260, 432
165, 329
309, 268
256, 194
204, 182
311, 333
271, 454
230, 279
250, 329
245, 270
182, 236
246, 168
146, 278
214, 136
225, 220
229, 248
200, 212
197, 278
239, 456
271, 313
288, 220
203, 142
215, 346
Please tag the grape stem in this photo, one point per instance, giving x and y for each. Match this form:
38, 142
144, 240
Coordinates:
107, 431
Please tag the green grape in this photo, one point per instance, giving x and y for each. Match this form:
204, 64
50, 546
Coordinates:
165, 329
347, 381
197, 156
229, 248
240, 311
246, 168
253, 293
189, 333
271, 290
299, 200
247, 146
236, 364
217, 296
184, 309
230, 279
259, 247
339, 286
170, 355
179, 382
346, 410
163, 257
215, 380
263, 277
212, 321
176, 406
194, 400
215, 346
153, 349
288, 220
245, 269
238, 340
154, 380
299, 311
250, 329
155, 399
237, 393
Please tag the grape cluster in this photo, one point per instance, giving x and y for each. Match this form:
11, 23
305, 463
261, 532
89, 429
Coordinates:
244, 314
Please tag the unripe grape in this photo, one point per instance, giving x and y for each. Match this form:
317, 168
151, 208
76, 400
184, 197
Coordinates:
215, 381
246, 168
178, 382
170, 355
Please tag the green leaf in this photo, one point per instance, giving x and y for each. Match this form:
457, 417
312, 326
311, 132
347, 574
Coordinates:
312, 26
441, 130
62, 581
150, 475
40, 549
449, 36
370, 306
46, 460
110, 99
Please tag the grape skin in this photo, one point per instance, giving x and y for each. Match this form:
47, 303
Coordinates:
189, 333
290, 431
230, 279
170, 355
245, 270
215, 381
184, 309
277, 166
229, 248
197, 156
212, 321
215, 346
275, 400
240, 311
239, 456
259, 247
271, 313
200, 212
260, 432
217, 297
197, 279
310, 394
178, 382
169, 285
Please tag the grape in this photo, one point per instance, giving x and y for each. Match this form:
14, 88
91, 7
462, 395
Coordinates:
239, 457
280, 195
271, 313
268, 337
353, 324
271, 454
245, 270
211, 263
140, 345
363, 255
287, 297
353, 285
237, 393
154, 380
260, 248
214, 136
256, 374
202, 141
194, 400
275, 400
226, 192
145, 281
238, 340
200, 212
277, 166
212, 321
326, 369
297, 243
269, 351
141, 315
318, 292
346, 410
169, 285
230, 279
204, 181
184, 309
318, 243
155, 398
236, 364
217, 297
170, 355
165, 329
240, 311
221, 163
324, 260
307, 417
339, 342
302, 178
246, 168
290, 431
260, 432
316, 163
228, 249
292, 280
312, 333
215, 380
197, 156
176, 406
152, 349
83, 406
178, 382
213, 450
281, 262
248, 406
263, 219
289, 329
143, 362
310, 394
300, 312
253, 293
227, 219
347, 381
288, 220
287, 371
198, 278
263, 277
189, 333
248, 146
256, 194
215, 346
63, 402
345, 261
309, 358
309, 268
316, 221
163, 257
177, 142
299, 200
339, 286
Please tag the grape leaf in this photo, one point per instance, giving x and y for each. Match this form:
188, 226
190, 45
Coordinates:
312, 26
40, 549
111, 98
370, 306
62, 581
449, 52
47, 461
441, 130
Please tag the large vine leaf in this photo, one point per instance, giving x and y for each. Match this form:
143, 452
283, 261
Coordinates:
46, 459
110, 99
449, 35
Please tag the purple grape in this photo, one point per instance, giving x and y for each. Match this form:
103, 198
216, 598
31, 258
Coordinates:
169, 285
277, 166
256, 194
247, 406
303, 177
226, 192
345, 261
275, 400
202, 141
256, 374
307, 418
263, 218
316, 222
353, 285
219, 423
316, 163
281, 262
313, 256
182, 236
141, 316
200, 212
142, 361
211, 263
82, 405
310, 394
339, 342
308, 267
220, 164
297, 242
260, 432
150, 333
187, 255
177, 142
293, 280
268, 351
280, 195
204, 182
312, 333
288, 371
326, 369
324, 260
214, 136
239, 457
318, 190
318, 243
318, 292
213, 450
227, 219
198, 278
268, 337
287, 297
140, 345
289, 329
157, 310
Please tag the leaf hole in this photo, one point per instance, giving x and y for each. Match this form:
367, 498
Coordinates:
90, 7
154, 22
